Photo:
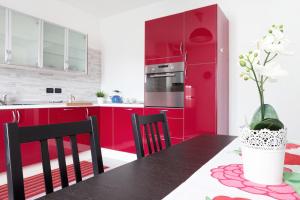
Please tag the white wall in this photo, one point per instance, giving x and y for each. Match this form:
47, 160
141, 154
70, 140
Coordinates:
122, 46
59, 13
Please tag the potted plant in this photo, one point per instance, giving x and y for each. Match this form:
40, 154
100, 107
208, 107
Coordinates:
100, 97
264, 139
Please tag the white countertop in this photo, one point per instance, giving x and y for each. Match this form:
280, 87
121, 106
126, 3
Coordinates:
62, 105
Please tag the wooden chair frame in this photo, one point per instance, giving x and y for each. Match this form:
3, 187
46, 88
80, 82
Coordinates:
15, 136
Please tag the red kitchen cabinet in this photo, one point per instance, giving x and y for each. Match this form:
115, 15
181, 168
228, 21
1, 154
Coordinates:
200, 32
205, 51
90, 112
175, 122
106, 127
123, 133
66, 115
200, 96
6, 116
31, 152
164, 39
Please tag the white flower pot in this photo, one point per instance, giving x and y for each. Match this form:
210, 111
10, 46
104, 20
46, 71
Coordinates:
263, 155
100, 100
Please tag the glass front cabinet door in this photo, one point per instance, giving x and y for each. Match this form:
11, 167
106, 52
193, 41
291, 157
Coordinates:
77, 51
25, 37
2, 34
54, 47
26, 41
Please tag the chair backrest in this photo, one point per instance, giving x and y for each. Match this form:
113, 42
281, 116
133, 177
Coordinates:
150, 122
15, 136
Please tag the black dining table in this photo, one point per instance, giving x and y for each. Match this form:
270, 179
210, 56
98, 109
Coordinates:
149, 178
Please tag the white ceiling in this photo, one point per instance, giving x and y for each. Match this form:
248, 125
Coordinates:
105, 8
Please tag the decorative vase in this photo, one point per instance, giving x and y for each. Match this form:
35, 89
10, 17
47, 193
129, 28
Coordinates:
100, 100
263, 155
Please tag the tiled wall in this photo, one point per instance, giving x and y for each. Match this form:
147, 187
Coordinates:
30, 85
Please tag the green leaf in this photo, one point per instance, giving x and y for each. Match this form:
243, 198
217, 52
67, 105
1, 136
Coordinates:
271, 124
207, 198
292, 179
269, 113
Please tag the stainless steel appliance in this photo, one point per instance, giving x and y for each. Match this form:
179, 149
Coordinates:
164, 85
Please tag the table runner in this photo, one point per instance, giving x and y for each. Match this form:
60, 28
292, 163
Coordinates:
221, 178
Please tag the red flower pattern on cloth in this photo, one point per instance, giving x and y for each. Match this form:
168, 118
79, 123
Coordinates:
232, 176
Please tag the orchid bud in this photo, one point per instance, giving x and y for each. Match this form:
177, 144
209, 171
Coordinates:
241, 57
247, 70
246, 78
250, 52
242, 63
281, 26
256, 54
273, 25
270, 31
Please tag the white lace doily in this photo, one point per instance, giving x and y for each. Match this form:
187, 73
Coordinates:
264, 139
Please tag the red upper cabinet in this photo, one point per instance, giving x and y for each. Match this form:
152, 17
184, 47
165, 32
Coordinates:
200, 100
164, 39
201, 35
123, 133
106, 127
6, 116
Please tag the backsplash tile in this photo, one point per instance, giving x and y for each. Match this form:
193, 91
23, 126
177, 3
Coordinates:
28, 85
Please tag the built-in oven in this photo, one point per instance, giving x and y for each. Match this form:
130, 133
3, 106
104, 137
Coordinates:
164, 85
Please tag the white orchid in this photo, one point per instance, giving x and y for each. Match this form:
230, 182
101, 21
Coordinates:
274, 41
272, 71
258, 65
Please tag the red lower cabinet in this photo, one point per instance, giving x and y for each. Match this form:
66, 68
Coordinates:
66, 115
175, 122
31, 152
123, 134
6, 116
106, 127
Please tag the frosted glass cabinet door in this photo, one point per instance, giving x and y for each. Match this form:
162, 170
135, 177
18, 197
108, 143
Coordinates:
2, 34
25, 32
77, 52
54, 45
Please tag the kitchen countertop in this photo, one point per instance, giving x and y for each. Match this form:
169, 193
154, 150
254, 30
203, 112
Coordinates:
62, 105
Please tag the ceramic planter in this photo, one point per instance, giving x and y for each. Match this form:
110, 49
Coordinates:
263, 155
100, 100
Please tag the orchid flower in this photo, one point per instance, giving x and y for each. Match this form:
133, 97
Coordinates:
258, 65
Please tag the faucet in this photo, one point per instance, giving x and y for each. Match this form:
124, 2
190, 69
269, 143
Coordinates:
72, 98
4, 100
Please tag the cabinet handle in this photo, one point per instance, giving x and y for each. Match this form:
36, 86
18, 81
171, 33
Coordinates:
163, 110
181, 48
68, 109
18, 116
87, 112
14, 117
129, 109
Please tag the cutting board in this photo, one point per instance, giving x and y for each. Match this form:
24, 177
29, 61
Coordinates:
79, 103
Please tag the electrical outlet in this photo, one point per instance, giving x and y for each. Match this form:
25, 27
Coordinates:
49, 90
58, 90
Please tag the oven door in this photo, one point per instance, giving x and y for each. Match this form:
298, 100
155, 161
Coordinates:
164, 89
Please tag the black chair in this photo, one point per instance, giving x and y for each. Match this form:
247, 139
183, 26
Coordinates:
150, 122
15, 136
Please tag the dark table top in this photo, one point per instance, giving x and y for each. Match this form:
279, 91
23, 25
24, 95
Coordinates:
153, 177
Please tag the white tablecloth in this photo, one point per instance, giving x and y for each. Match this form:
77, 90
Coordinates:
222, 179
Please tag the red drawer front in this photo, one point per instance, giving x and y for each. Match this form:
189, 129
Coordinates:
171, 112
